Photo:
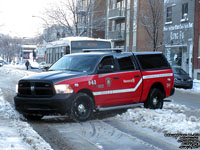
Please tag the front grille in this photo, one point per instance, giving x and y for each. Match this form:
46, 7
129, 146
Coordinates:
35, 89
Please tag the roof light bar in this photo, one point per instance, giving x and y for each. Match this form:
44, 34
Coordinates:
118, 50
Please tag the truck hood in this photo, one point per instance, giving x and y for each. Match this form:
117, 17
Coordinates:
56, 76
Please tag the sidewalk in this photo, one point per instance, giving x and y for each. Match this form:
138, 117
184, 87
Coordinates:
16, 134
9, 136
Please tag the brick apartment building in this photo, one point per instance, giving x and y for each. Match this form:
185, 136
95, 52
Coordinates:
182, 34
125, 27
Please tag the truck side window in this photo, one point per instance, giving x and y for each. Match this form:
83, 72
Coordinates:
152, 62
126, 63
107, 65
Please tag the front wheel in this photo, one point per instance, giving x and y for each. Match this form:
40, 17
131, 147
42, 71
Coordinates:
155, 99
82, 107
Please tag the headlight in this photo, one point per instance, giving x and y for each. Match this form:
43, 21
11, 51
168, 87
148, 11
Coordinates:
63, 88
16, 88
175, 79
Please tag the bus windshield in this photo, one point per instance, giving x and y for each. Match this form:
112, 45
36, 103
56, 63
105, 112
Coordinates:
78, 46
80, 63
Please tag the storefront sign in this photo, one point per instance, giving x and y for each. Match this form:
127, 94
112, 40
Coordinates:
178, 27
177, 35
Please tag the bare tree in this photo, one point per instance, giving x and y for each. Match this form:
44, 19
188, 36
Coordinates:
74, 15
63, 14
9, 47
151, 19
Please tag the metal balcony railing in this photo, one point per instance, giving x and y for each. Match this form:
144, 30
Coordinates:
117, 13
116, 35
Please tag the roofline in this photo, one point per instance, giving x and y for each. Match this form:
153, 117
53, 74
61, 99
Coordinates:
67, 40
28, 46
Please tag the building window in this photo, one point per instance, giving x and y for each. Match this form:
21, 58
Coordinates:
123, 4
112, 4
185, 11
84, 4
123, 26
119, 5
120, 26
169, 14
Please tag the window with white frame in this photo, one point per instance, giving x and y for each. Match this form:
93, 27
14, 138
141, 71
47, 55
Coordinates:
169, 14
185, 11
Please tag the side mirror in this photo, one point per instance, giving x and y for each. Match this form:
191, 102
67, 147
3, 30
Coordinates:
46, 68
106, 69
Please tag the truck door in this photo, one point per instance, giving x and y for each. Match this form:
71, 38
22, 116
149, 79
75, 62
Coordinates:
116, 87
130, 81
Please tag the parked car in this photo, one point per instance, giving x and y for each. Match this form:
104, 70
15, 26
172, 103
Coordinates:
182, 79
34, 65
42, 65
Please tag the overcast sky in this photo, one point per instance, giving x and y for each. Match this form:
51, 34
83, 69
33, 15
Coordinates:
16, 16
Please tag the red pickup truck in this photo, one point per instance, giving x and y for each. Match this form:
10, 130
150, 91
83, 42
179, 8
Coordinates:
80, 84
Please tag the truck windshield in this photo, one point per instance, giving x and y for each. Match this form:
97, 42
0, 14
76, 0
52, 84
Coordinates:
80, 63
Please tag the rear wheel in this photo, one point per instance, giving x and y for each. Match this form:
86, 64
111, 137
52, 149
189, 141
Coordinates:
82, 107
31, 117
155, 99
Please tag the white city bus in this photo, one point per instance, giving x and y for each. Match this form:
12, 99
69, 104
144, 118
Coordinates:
68, 45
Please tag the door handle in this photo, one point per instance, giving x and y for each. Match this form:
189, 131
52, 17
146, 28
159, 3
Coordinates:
115, 77
137, 76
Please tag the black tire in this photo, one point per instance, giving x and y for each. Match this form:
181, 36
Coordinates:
155, 99
31, 117
82, 107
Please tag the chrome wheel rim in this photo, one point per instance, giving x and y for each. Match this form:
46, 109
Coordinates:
155, 101
81, 109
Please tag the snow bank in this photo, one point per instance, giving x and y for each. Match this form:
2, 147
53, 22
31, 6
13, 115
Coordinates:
16, 70
24, 129
170, 119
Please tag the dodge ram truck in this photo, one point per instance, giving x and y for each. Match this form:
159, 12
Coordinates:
80, 84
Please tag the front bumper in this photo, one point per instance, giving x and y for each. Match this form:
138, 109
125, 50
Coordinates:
183, 84
57, 104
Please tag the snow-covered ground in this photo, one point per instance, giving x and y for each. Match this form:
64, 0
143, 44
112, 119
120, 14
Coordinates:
14, 133
172, 118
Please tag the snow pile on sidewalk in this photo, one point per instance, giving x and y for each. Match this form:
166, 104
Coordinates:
24, 129
170, 119
18, 70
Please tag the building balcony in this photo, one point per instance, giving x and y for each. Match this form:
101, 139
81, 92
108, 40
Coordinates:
116, 13
116, 35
